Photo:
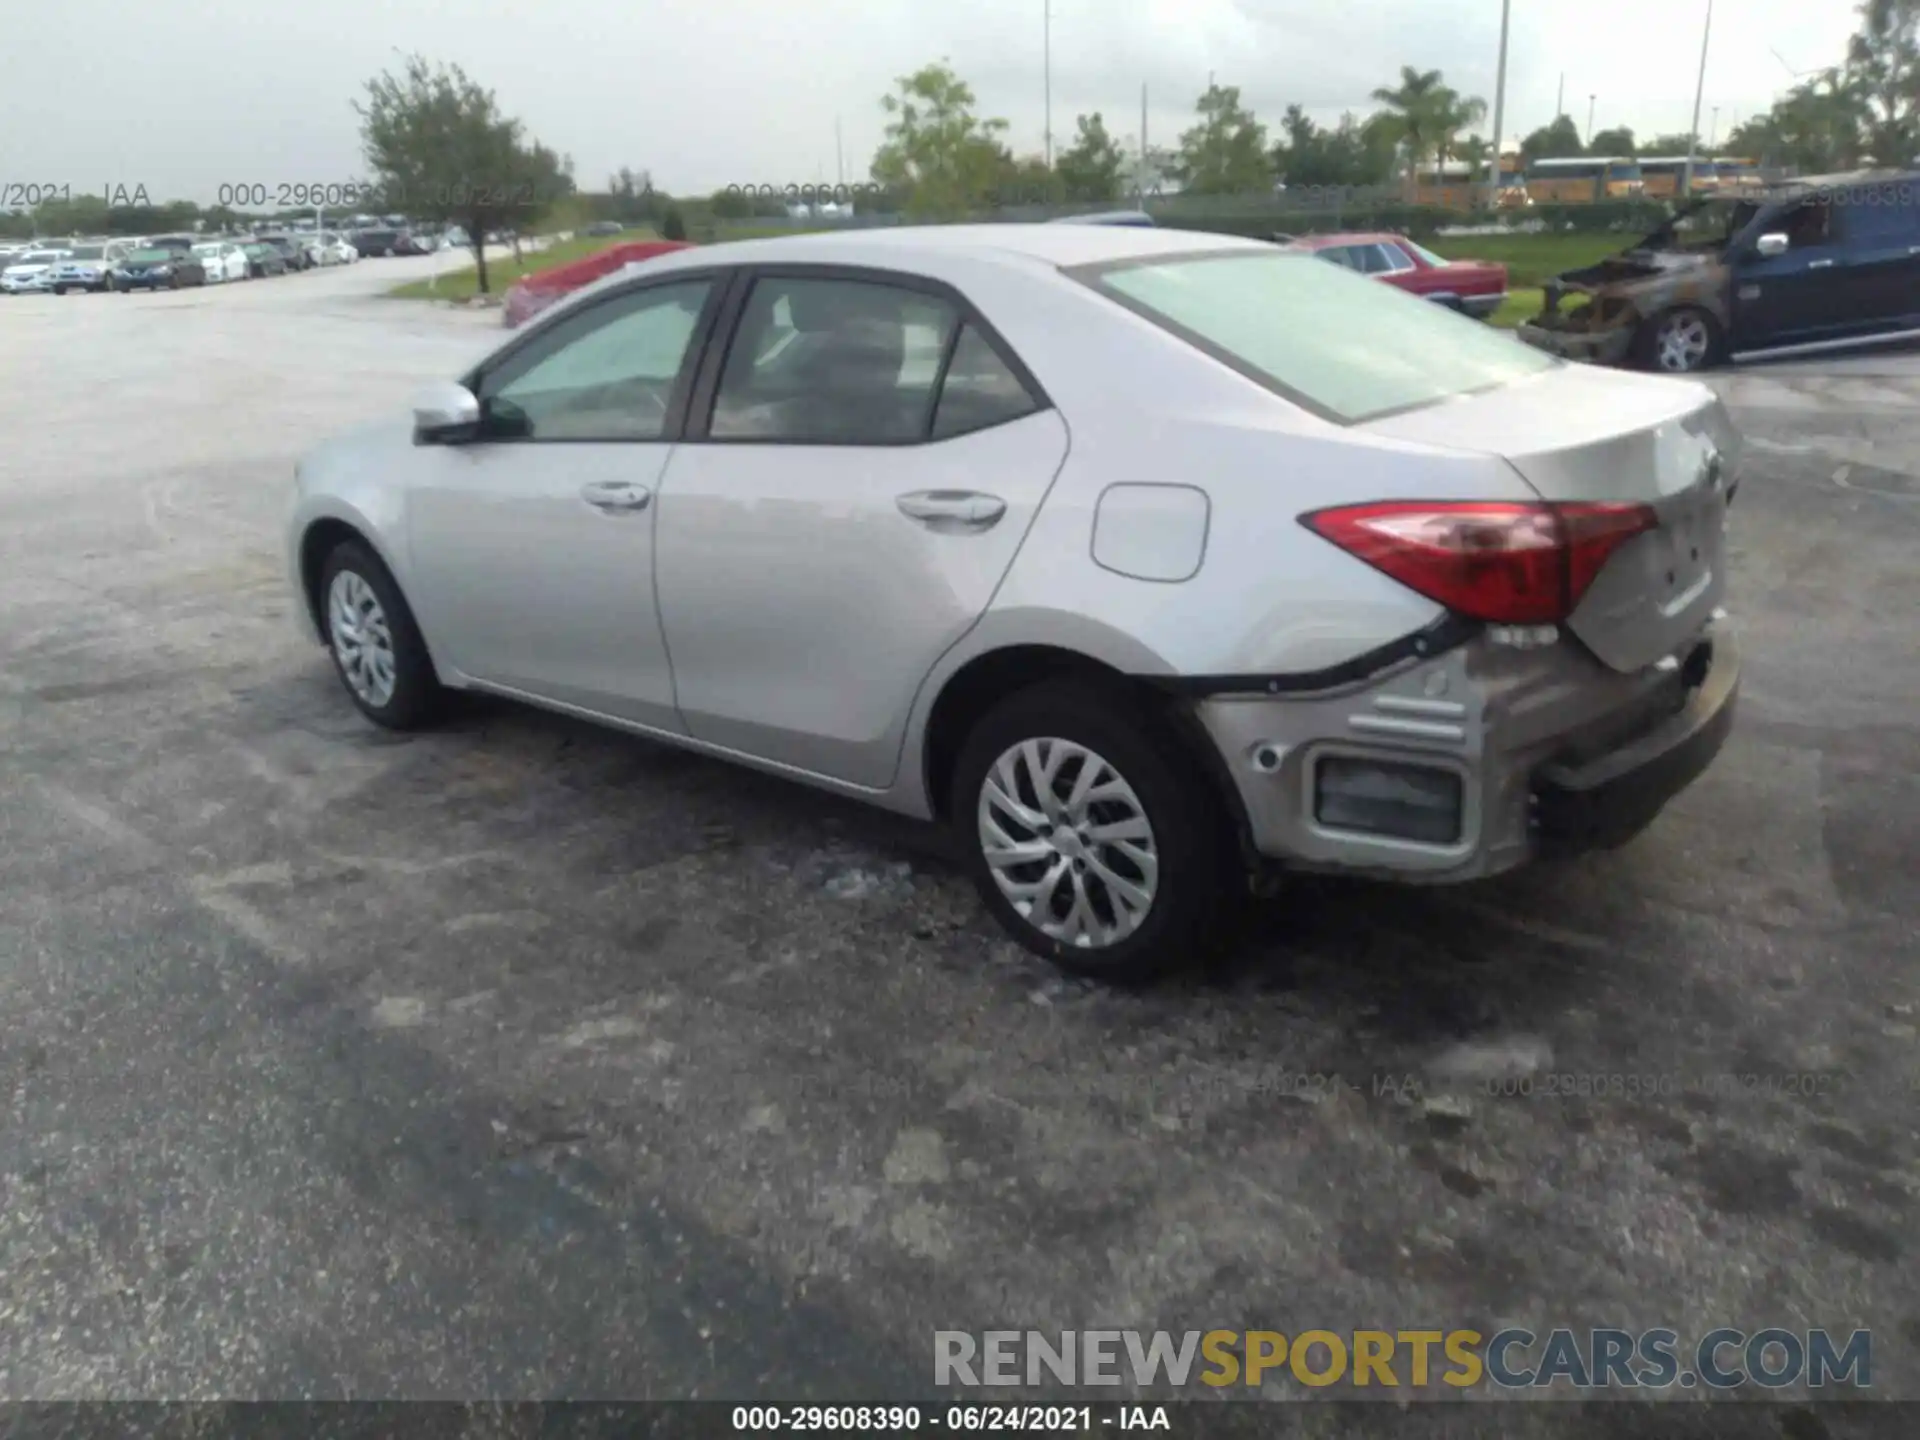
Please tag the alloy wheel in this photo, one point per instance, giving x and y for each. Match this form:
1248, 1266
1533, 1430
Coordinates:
1068, 842
362, 639
1682, 343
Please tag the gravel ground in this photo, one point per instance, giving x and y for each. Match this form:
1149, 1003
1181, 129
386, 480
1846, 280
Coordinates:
521, 1059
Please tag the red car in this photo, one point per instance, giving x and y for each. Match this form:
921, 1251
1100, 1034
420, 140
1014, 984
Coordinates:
527, 298
1475, 287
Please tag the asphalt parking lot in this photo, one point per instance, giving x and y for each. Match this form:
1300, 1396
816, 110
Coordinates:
521, 1059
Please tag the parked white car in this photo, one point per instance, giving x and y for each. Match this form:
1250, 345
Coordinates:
88, 267
223, 259
30, 272
330, 249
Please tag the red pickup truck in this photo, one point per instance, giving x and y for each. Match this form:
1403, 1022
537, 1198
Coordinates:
1475, 287
528, 297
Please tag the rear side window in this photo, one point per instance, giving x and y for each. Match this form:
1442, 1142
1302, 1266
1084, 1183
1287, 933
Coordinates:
1884, 214
1343, 346
979, 390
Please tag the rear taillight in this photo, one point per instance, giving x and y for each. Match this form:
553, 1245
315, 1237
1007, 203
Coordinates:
1512, 564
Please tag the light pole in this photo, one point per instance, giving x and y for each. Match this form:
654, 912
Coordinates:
1699, 90
1499, 106
1591, 99
1713, 130
1046, 66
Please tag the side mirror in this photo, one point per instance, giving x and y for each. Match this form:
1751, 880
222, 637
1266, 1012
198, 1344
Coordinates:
1773, 243
445, 414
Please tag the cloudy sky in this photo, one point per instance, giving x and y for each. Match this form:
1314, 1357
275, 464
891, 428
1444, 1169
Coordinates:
185, 96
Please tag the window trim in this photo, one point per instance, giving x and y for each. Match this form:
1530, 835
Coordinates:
720, 281
706, 388
1091, 274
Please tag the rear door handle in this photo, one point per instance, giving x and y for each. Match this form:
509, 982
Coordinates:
616, 496
1819, 264
951, 510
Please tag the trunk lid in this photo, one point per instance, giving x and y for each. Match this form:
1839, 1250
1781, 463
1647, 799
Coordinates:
1576, 433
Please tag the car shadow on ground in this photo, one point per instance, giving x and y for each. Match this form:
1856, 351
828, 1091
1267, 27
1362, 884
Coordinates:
1413, 966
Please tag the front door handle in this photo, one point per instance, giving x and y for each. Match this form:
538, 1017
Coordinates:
1819, 264
953, 510
616, 496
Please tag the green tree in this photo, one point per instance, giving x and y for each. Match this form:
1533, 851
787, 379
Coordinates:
1670, 145
1559, 140
1308, 155
1226, 153
1617, 141
441, 151
1427, 116
942, 158
1379, 137
1819, 125
1883, 61
674, 226
1026, 181
1474, 152
631, 198
1093, 167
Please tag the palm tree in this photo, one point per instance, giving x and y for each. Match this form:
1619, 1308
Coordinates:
1428, 116
1410, 106
1452, 113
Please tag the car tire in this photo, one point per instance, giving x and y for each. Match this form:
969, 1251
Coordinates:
376, 645
1682, 341
1063, 728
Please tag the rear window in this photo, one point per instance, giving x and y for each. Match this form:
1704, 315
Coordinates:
1346, 347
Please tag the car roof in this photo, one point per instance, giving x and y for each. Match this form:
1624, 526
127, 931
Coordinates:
1845, 177
1054, 245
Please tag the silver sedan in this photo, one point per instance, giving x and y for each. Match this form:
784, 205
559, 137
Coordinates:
1149, 561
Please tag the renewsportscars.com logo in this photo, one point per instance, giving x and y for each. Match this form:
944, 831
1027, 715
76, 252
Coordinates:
1515, 1359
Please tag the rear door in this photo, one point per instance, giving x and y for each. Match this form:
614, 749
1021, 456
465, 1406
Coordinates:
861, 464
1882, 263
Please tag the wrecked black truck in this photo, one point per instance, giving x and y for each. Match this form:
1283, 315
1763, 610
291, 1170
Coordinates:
1819, 263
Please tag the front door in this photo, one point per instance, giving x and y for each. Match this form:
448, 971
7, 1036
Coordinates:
1800, 297
532, 545
871, 461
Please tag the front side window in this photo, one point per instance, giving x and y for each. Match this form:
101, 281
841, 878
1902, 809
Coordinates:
832, 362
606, 373
1392, 259
1348, 348
1809, 225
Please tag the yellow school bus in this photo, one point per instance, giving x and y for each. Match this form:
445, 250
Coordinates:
1584, 179
1460, 186
1731, 173
1661, 175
